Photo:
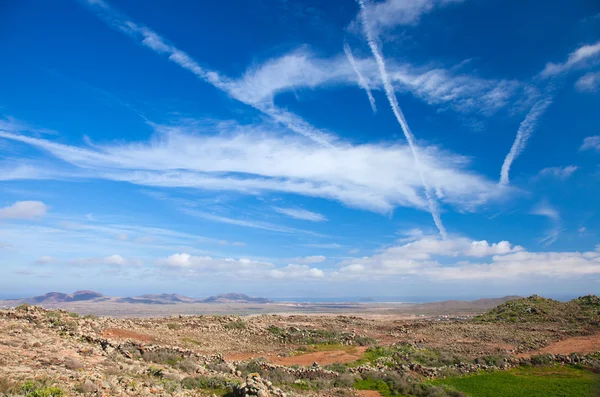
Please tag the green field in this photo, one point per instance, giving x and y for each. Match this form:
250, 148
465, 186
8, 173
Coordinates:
551, 381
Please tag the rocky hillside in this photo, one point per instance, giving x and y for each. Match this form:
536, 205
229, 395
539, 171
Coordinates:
585, 309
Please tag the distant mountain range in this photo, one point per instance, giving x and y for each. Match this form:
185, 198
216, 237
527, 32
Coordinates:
148, 299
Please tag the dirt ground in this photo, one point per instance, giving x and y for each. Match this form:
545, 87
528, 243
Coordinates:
576, 344
117, 356
322, 358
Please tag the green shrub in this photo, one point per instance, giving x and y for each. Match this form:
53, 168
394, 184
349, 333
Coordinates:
215, 384
155, 372
238, 324
35, 389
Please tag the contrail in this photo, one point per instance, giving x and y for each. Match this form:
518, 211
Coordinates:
389, 91
523, 133
156, 43
361, 79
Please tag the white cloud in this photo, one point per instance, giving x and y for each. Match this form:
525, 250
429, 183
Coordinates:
243, 267
429, 256
44, 260
300, 213
545, 209
387, 14
590, 82
24, 210
299, 69
322, 245
309, 259
559, 172
591, 143
297, 272
122, 237
252, 160
247, 223
6, 246
434, 85
207, 264
584, 56
111, 260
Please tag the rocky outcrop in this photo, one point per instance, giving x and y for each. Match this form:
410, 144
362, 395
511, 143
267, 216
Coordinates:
256, 386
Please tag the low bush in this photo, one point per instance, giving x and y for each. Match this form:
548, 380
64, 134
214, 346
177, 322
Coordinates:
238, 324
37, 389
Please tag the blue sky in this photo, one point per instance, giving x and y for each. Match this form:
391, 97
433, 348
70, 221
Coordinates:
430, 148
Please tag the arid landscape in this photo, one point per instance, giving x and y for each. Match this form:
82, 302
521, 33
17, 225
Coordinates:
380, 350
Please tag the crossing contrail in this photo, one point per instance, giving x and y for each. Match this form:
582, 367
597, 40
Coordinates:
410, 138
361, 79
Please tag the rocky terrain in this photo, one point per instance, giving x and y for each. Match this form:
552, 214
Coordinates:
46, 353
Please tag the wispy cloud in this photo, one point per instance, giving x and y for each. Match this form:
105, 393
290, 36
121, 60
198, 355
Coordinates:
159, 45
301, 213
562, 173
582, 57
324, 246
591, 143
388, 14
251, 160
24, 210
372, 40
248, 223
525, 130
309, 259
545, 209
590, 82
110, 260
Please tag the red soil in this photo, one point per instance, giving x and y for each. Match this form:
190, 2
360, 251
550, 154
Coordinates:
124, 334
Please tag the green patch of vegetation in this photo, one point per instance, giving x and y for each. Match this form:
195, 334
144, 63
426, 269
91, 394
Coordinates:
374, 384
409, 353
155, 372
162, 357
372, 354
74, 315
392, 384
37, 389
365, 341
275, 330
238, 324
585, 309
547, 381
216, 385
23, 307
174, 326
